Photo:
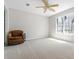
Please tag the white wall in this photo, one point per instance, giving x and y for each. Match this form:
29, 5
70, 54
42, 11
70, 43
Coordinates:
52, 27
35, 26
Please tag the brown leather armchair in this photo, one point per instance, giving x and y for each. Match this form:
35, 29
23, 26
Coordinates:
15, 37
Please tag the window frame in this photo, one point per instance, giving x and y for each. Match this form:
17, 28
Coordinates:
64, 25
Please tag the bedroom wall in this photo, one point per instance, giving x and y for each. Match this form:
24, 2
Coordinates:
52, 26
35, 26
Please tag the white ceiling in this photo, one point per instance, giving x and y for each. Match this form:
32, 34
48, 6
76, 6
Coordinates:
21, 5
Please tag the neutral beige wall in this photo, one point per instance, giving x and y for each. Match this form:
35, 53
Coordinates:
52, 27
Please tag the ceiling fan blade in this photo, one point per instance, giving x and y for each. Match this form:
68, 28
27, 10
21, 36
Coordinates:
54, 5
40, 7
45, 2
51, 9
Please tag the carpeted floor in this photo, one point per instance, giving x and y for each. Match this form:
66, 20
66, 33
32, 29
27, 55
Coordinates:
47, 48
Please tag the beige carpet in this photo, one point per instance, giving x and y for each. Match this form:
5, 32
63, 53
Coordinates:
47, 48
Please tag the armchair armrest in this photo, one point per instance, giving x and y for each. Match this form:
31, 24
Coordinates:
24, 35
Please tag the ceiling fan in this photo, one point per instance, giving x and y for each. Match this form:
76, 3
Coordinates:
48, 6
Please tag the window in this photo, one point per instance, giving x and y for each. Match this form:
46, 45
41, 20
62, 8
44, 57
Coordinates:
65, 23
59, 24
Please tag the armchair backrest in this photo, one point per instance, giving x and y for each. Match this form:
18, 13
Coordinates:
15, 33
